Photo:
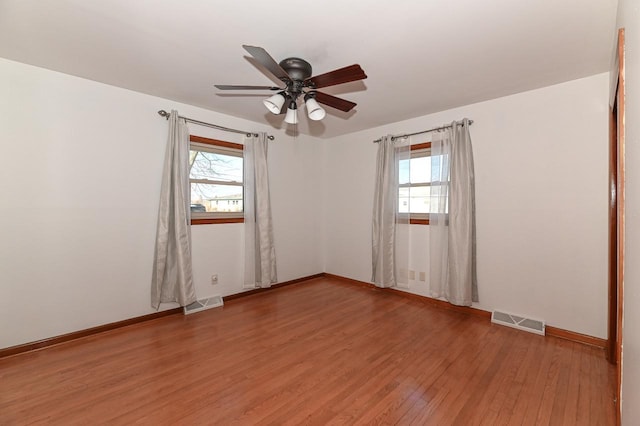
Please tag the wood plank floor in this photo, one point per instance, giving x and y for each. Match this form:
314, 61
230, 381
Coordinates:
319, 352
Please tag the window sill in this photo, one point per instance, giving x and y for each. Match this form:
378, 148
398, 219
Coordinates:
418, 221
210, 221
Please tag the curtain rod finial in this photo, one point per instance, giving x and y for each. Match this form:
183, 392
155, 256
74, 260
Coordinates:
271, 137
164, 114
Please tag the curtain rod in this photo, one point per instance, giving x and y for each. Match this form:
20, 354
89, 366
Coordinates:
393, 138
165, 114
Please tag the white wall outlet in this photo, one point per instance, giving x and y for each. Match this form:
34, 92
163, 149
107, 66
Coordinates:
214, 279
423, 276
412, 274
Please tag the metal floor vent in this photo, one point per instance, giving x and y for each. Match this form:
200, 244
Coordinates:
202, 304
521, 323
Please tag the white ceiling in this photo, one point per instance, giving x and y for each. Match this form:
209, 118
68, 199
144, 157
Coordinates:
420, 56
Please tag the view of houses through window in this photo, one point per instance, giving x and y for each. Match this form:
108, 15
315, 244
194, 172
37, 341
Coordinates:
215, 175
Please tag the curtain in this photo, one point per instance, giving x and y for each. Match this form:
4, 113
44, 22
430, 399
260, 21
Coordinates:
172, 279
402, 222
452, 229
260, 252
390, 230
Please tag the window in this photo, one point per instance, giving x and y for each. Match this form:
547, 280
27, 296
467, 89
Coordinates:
215, 177
414, 196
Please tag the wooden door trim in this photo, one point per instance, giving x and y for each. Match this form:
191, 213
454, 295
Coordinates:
617, 218
621, 214
613, 237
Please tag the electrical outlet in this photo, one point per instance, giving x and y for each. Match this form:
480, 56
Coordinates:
214, 279
423, 276
412, 274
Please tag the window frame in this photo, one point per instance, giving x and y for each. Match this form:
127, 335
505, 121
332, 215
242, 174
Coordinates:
227, 148
416, 151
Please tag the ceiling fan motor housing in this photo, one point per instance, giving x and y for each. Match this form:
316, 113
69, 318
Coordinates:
298, 69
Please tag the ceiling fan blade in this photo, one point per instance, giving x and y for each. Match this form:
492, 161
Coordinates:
231, 87
334, 102
267, 61
339, 76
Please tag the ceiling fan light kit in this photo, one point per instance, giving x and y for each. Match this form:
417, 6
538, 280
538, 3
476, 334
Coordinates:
292, 113
275, 102
314, 110
296, 73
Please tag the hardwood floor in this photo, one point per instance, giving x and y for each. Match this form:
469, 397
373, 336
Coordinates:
318, 352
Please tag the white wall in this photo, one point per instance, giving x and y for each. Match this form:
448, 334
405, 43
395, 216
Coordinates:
628, 18
541, 160
78, 235
79, 183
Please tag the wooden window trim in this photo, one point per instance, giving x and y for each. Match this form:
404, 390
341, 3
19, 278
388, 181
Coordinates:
216, 142
418, 146
224, 144
210, 221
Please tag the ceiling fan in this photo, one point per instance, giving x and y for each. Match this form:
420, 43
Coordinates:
295, 73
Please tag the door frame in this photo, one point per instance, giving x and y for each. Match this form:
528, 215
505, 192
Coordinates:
616, 216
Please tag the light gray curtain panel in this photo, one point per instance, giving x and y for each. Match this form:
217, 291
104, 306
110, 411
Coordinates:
260, 269
452, 225
385, 215
172, 278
